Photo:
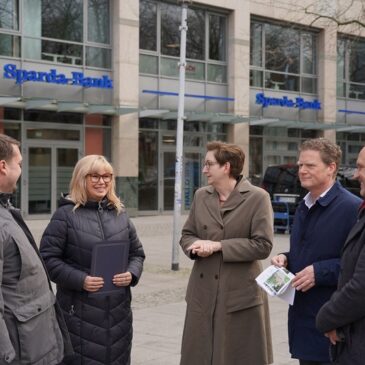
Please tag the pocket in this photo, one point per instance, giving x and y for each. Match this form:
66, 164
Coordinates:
38, 329
241, 299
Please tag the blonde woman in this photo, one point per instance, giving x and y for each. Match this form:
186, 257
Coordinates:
100, 325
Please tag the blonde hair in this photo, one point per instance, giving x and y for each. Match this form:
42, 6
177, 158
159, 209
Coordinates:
88, 165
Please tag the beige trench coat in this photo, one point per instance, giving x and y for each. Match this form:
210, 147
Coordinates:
227, 319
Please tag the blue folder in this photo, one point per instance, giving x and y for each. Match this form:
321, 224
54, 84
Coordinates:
108, 259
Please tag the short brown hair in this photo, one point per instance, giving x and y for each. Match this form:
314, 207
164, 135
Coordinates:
6, 147
227, 152
329, 151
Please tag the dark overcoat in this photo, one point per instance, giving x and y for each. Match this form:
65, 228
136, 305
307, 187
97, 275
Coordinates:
227, 316
100, 326
317, 238
345, 311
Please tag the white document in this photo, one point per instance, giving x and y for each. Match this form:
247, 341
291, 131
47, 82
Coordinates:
276, 282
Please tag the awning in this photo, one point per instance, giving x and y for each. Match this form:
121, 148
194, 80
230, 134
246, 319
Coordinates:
64, 106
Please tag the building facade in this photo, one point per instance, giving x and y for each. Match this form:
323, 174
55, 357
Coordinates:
81, 76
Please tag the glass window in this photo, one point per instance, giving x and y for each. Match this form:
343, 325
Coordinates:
256, 44
341, 87
148, 167
9, 10
148, 64
98, 57
357, 61
170, 33
217, 73
9, 45
148, 25
195, 39
287, 55
70, 54
309, 53
98, 21
52, 117
217, 37
282, 48
63, 19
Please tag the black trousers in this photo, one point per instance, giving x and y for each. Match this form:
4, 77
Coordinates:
305, 362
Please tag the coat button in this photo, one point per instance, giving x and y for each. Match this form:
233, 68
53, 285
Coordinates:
39, 309
205, 226
216, 277
201, 275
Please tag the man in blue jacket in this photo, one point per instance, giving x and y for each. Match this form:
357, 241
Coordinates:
321, 224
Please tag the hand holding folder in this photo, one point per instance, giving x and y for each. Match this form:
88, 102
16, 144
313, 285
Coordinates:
109, 259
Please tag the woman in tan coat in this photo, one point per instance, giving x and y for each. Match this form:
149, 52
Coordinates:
229, 229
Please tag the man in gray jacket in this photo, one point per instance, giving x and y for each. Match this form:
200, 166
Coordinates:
31, 329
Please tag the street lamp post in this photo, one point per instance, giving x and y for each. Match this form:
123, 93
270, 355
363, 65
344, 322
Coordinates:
179, 137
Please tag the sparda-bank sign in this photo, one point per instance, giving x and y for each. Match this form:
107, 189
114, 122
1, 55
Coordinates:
298, 102
54, 77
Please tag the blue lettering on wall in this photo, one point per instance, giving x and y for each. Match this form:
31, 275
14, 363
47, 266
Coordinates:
78, 78
299, 103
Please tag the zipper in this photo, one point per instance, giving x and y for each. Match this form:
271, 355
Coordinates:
100, 211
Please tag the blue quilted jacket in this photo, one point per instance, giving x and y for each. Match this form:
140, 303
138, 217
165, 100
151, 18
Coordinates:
100, 326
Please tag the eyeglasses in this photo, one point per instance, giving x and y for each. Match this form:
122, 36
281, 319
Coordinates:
209, 164
95, 178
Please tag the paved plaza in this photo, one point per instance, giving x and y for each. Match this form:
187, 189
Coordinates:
158, 300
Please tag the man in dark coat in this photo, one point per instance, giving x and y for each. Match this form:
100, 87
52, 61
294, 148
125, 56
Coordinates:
342, 318
32, 331
321, 224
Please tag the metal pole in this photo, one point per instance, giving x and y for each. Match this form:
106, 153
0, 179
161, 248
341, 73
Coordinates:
179, 139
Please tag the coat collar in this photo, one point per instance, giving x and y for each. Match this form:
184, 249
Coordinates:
5, 200
331, 194
237, 196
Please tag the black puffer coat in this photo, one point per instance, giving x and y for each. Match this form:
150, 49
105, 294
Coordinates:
100, 326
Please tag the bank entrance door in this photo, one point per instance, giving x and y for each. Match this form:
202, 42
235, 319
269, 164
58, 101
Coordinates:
48, 174
191, 179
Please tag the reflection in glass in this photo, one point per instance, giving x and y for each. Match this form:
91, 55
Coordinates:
148, 167
256, 165
39, 183
195, 39
170, 33
356, 60
256, 78
309, 53
256, 45
281, 81
282, 48
52, 117
9, 10
62, 52
169, 67
148, 25
98, 21
66, 161
168, 180
62, 19
56, 134
148, 64
9, 45
217, 73
217, 37
98, 57
309, 85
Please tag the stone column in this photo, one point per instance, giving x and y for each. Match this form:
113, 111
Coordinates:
327, 70
126, 92
239, 75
